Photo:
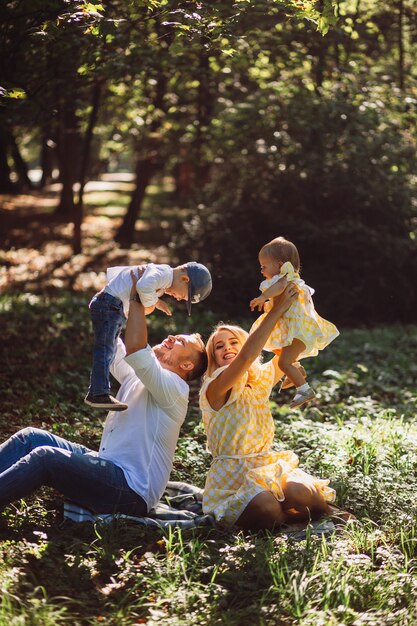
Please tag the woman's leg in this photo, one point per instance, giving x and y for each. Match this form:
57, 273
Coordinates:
289, 355
303, 501
263, 512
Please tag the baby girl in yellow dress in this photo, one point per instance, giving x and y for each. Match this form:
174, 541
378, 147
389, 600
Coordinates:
300, 332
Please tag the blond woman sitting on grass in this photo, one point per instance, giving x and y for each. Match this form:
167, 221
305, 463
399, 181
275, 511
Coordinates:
249, 484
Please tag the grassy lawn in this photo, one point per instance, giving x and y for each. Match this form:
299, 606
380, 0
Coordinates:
362, 434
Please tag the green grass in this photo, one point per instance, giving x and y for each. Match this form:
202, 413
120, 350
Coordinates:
362, 434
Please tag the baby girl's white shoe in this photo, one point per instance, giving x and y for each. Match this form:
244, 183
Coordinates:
302, 396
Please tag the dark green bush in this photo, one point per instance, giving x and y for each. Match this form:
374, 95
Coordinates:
332, 171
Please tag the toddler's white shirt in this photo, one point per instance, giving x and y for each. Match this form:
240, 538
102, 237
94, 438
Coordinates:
142, 439
150, 286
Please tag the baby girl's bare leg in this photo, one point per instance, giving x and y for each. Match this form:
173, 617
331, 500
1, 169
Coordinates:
289, 355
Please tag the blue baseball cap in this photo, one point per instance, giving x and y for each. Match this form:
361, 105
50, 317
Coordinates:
199, 285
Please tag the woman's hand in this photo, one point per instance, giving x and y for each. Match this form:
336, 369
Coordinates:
287, 297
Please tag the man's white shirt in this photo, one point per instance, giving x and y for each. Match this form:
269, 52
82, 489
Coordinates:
142, 439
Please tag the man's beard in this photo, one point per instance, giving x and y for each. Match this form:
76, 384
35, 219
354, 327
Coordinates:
163, 355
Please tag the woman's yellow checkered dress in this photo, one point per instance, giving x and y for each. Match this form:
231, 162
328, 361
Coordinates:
239, 436
301, 321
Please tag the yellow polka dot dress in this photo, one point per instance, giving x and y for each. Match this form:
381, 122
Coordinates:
301, 321
239, 436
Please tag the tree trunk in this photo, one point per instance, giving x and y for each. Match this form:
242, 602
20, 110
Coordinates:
85, 157
6, 185
401, 44
46, 159
204, 113
21, 167
146, 162
68, 151
184, 173
145, 169
319, 68
336, 41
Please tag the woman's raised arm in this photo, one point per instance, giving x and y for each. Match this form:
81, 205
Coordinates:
218, 389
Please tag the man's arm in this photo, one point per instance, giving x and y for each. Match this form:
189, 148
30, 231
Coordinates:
168, 390
119, 368
160, 383
136, 334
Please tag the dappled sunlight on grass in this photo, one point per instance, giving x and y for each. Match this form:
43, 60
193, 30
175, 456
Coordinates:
358, 435
38, 257
26, 203
361, 434
110, 211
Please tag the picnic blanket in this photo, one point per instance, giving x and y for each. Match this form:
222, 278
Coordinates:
181, 507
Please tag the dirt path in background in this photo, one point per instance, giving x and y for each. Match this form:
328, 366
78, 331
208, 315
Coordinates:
35, 246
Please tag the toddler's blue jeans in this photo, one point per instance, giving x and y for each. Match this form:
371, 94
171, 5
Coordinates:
108, 319
33, 457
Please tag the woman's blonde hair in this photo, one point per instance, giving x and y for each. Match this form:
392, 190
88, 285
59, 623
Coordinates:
241, 335
282, 250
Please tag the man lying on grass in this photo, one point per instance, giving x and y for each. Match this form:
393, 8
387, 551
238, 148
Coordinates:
130, 471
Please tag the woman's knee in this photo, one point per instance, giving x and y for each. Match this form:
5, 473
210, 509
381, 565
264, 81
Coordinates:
263, 512
303, 496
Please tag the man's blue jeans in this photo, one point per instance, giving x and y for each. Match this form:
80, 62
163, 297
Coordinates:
33, 457
108, 320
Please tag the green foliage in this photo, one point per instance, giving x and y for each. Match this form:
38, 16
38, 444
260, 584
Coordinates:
361, 435
318, 149
313, 131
